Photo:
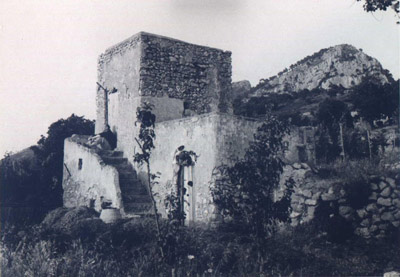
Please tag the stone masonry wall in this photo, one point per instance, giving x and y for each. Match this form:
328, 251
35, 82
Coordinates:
381, 213
170, 74
200, 75
85, 185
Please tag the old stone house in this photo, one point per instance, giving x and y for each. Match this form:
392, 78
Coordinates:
189, 86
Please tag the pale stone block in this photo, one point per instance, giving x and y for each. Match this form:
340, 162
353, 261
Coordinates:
374, 186
396, 223
373, 196
386, 192
311, 202
384, 201
372, 207
387, 216
362, 213
382, 185
391, 182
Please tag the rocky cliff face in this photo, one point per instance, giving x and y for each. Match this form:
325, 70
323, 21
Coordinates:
342, 65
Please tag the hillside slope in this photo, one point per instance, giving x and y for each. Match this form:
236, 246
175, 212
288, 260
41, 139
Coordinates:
341, 66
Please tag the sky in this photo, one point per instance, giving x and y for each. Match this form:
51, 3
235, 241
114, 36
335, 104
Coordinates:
49, 48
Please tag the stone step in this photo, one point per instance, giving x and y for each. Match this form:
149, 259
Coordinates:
147, 213
129, 183
132, 189
114, 160
124, 168
127, 174
138, 208
127, 179
111, 153
134, 183
135, 198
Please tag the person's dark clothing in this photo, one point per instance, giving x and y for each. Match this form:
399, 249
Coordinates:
110, 138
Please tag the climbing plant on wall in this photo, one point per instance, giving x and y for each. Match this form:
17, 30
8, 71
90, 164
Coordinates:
174, 202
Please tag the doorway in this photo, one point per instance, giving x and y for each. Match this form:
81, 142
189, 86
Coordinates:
186, 194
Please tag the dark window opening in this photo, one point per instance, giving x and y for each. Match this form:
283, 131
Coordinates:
80, 164
285, 146
186, 105
303, 157
301, 136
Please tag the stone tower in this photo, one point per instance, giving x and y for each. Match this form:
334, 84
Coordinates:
178, 78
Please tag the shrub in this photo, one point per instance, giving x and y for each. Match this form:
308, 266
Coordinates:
298, 251
244, 191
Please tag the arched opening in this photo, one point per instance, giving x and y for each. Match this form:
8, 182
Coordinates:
186, 193
185, 188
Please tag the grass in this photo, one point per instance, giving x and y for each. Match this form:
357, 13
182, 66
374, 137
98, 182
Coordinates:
128, 248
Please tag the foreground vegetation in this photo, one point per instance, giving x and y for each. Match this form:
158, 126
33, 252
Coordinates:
80, 244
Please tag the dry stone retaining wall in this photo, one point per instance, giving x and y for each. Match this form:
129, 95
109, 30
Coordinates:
375, 219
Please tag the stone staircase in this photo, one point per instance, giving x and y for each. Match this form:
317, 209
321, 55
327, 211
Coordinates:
135, 198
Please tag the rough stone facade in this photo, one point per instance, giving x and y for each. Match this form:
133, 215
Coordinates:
199, 75
180, 79
189, 86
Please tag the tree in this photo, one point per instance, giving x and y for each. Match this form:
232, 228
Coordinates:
50, 151
382, 5
333, 115
19, 180
244, 191
145, 140
374, 101
32, 177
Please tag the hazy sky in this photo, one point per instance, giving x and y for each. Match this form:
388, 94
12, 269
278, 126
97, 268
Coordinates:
49, 49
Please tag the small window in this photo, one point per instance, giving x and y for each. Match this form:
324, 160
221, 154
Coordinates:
186, 105
303, 156
80, 164
301, 136
285, 145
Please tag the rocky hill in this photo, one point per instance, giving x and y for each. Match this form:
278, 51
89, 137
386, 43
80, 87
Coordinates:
341, 66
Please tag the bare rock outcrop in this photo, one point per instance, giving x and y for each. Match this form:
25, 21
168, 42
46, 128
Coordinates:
342, 66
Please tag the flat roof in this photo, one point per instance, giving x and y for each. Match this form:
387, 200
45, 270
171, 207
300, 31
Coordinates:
140, 34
